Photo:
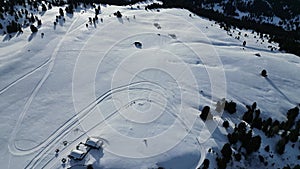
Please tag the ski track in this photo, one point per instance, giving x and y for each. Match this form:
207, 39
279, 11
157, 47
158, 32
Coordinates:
61, 132
36, 89
40, 66
109, 117
24, 76
73, 121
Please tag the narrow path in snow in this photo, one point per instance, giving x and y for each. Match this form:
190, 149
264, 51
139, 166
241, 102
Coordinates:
73, 122
11, 144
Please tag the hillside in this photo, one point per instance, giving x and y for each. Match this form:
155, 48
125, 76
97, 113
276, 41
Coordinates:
139, 83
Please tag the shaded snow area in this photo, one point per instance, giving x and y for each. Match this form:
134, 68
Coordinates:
137, 83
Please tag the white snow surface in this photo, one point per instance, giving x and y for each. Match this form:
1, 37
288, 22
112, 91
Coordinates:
78, 82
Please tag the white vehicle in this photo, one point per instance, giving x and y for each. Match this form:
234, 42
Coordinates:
94, 143
77, 155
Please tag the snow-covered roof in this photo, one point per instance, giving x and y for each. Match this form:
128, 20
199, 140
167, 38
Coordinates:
93, 142
76, 154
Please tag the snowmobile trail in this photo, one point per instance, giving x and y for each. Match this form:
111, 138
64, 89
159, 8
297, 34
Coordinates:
36, 89
75, 121
70, 30
24, 76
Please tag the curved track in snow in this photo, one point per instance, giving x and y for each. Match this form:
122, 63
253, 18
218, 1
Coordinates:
50, 61
73, 122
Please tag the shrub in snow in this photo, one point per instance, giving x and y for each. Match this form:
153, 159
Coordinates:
90, 166
254, 144
226, 152
118, 14
63, 160
61, 12
242, 128
233, 138
39, 22
257, 123
12, 27
33, 28
244, 43
44, 7
49, 6
267, 148
237, 156
204, 113
297, 166
226, 124
138, 44
273, 130
264, 73
257, 113
293, 136
266, 124
230, 107
245, 139
206, 164
280, 146
291, 116
248, 116
221, 163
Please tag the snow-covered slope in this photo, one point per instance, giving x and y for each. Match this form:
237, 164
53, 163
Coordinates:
143, 101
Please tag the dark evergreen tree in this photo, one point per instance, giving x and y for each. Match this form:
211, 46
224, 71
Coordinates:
237, 156
33, 29
118, 14
293, 136
230, 107
206, 164
90, 166
225, 124
221, 163
226, 152
61, 12
280, 146
264, 73
291, 116
254, 144
204, 113
267, 148
233, 138
44, 8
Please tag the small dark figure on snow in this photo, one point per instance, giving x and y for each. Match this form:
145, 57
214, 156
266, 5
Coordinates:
118, 14
264, 73
138, 44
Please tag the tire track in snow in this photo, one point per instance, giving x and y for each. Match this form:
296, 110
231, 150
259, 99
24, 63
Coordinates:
11, 145
24, 76
38, 67
75, 120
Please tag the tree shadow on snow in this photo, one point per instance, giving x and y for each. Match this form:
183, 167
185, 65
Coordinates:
277, 89
69, 15
32, 35
121, 20
7, 37
42, 13
97, 154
